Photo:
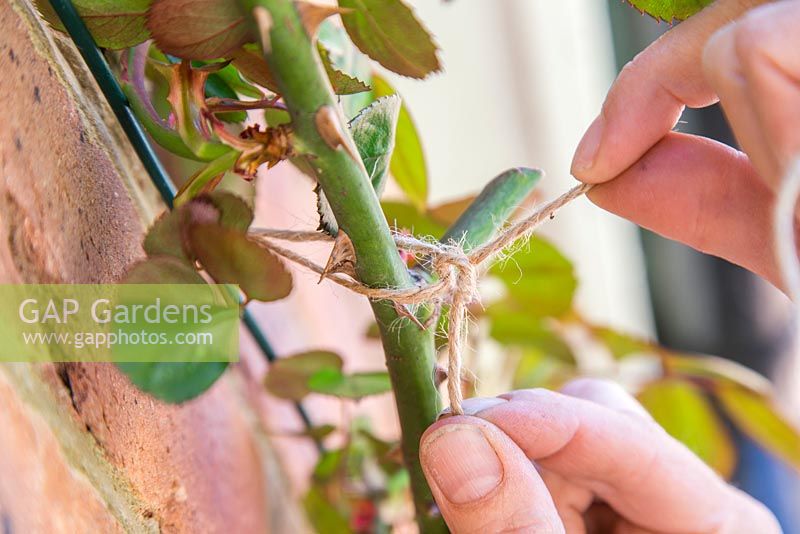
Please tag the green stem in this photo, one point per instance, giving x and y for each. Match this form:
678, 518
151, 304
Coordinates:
410, 354
198, 181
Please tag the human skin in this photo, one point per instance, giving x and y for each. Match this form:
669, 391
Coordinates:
540, 461
590, 459
688, 188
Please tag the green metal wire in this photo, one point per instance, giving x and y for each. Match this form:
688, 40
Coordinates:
119, 104
113, 93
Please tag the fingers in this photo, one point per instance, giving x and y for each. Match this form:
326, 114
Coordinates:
629, 462
650, 93
701, 193
606, 393
754, 67
724, 72
482, 481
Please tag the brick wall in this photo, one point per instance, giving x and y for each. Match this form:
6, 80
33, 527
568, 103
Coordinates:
81, 450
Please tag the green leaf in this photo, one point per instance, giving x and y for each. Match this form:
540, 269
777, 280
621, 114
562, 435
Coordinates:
669, 10
536, 370
230, 257
173, 382
690, 418
329, 464
621, 345
703, 368
206, 176
166, 137
540, 281
169, 381
217, 87
234, 212
373, 331
493, 207
388, 32
343, 84
402, 216
408, 165
323, 515
373, 131
345, 57
510, 327
197, 29
759, 418
114, 24
288, 377
355, 386
230, 75
164, 238
186, 96
317, 432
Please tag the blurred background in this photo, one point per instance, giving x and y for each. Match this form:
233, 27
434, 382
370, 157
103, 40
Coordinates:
522, 80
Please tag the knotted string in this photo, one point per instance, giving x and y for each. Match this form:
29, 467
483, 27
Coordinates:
456, 270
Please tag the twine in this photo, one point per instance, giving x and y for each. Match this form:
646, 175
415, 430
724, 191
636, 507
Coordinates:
456, 270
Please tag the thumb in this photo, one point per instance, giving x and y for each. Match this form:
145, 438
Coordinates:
482, 481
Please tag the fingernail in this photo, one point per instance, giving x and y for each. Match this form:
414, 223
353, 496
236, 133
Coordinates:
473, 406
586, 153
461, 461
476, 405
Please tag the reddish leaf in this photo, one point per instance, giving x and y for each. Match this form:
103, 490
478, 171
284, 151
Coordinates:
388, 32
231, 258
313, 14
164, 237
162, 270
288, 378
197, 29
234, 212
449, 212
114, 24
167, 235
251, 64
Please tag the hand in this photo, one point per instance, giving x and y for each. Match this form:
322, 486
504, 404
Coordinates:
688, 188
590, 459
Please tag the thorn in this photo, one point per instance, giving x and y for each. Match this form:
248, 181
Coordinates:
403, 311
439, 375
264, 23
342, 258
312, 15
329, 126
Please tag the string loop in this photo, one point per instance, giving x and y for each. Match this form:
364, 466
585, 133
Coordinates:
456, 284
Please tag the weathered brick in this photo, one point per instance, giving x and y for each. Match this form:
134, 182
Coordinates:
83, 450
